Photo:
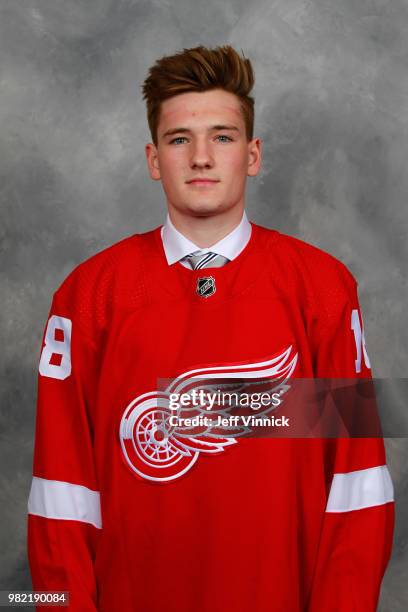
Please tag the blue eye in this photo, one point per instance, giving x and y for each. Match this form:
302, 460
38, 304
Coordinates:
178, 138
184, 138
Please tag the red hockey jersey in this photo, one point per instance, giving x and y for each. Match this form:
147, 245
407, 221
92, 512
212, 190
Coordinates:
129, 515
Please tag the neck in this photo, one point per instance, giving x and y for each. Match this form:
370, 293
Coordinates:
206, 229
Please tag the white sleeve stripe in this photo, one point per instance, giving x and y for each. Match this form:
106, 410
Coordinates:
360, 489
63, 500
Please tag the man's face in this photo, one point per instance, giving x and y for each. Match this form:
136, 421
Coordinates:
202, 135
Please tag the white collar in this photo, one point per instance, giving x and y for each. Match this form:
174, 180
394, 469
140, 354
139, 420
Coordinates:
176, 245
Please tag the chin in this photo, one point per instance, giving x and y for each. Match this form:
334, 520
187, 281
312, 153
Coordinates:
204, 213
204, 208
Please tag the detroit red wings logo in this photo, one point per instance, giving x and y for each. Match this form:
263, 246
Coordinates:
158, 450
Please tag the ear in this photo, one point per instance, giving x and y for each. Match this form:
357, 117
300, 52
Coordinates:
152, 158
254, 156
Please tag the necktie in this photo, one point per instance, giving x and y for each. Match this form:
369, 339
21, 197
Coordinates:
198, 260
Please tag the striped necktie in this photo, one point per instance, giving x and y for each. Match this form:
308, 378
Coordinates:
198, 260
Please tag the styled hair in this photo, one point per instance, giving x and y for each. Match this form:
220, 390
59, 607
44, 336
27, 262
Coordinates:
199, 69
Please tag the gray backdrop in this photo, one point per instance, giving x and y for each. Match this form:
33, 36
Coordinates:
331, 107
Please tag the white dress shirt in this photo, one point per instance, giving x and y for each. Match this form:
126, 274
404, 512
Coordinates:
176, 245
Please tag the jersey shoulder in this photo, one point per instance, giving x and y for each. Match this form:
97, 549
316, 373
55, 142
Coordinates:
322, 264
306, 255
321, 280
113, 277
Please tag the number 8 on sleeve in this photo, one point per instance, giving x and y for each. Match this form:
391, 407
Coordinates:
55, 361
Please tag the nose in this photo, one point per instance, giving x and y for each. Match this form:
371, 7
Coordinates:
201, 156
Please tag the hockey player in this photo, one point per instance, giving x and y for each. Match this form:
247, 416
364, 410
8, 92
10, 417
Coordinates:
131, 514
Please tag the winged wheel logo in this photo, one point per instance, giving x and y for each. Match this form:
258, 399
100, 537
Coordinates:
158, 451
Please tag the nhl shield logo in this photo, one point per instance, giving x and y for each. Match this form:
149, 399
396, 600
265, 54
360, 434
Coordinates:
205, 286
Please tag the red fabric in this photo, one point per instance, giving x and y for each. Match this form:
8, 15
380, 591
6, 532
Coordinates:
244, 529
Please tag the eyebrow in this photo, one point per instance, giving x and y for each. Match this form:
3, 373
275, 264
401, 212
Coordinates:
184, 130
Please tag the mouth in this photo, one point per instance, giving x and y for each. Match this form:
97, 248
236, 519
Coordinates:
202, 182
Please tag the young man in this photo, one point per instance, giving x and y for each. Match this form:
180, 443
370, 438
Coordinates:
131, 512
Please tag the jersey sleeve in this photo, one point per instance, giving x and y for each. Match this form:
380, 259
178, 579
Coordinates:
64, 514
357, 528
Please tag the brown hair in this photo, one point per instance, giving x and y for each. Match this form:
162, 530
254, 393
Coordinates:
199, 69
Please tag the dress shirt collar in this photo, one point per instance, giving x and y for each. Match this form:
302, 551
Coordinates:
176, 245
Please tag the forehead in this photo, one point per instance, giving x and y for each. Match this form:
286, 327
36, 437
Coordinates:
196, 107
